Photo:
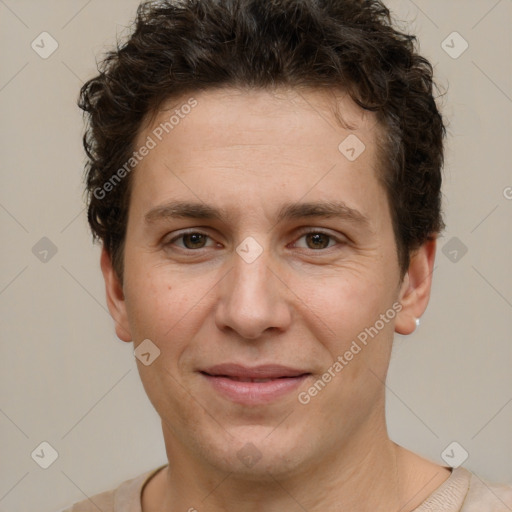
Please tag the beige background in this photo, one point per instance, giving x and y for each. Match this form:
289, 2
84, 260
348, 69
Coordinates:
67, 380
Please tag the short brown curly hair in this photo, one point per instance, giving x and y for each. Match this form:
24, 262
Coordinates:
184, 46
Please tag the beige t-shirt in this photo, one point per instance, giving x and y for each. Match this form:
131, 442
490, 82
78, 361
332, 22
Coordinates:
461, 492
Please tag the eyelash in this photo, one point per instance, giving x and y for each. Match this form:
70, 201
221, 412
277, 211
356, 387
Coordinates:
302, 234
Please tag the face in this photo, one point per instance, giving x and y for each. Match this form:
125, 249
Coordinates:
260, 260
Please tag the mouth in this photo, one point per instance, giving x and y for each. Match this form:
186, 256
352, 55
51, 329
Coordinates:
243, 379
253, 385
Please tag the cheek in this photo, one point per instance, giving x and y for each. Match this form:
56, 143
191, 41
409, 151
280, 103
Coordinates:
344, 315
163, 312
166, 308
344, 304
151, 304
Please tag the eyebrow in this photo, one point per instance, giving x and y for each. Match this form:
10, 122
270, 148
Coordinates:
289, 211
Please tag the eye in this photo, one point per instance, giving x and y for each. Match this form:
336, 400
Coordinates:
317, 240
190, 240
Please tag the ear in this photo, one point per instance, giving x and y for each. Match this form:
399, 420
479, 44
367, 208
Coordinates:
115, 297
415, 289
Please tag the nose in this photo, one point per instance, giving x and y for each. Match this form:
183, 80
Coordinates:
253, 298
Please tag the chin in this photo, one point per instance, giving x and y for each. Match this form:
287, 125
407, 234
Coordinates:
254, 455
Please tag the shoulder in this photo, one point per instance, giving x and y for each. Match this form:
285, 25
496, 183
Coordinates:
464, 491
124, 498
103, 502
483, 496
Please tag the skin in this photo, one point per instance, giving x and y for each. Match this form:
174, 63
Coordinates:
301, 303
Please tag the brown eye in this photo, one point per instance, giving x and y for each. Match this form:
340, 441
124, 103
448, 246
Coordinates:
317, 240
194, 240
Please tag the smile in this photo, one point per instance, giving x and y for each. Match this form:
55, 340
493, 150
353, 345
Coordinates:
253, 386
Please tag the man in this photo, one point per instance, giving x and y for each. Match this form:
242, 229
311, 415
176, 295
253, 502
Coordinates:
265, 180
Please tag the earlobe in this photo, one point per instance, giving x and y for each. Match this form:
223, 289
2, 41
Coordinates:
415, 290
115, 297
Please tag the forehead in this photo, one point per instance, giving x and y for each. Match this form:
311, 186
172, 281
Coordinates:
302, 109
234, 142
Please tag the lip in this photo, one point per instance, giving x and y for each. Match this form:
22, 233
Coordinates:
242, 384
